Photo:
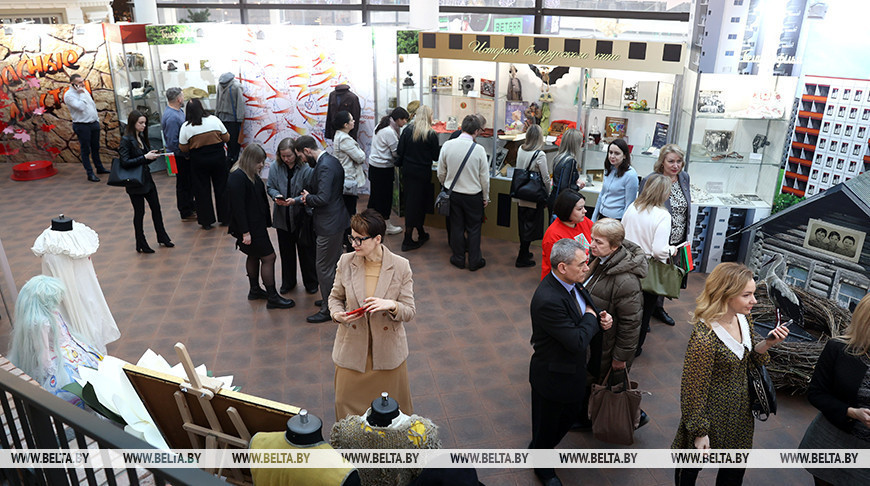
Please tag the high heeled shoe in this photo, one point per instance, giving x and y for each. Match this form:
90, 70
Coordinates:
144, 248
168, 244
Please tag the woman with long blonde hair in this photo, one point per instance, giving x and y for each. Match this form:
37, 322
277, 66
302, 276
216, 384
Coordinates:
840, 390
418, 148
648, 224
714, 392
249, 220
671, 163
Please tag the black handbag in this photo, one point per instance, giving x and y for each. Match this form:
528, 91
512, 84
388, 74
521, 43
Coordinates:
122, 177
527, 185
762, 395
442, 200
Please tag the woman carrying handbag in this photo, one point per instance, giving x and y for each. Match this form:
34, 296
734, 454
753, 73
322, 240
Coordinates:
135, 151
530, 215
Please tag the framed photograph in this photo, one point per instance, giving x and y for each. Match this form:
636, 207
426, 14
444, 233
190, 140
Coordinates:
441, 82
710, 101
487, 87
718, 141
615, 127
836, 241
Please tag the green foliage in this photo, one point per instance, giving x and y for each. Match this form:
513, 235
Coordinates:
406, 42
783, 200
197, 16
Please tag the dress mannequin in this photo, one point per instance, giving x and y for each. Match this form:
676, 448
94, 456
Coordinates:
383, 411
303, 432
400, 432
66, 248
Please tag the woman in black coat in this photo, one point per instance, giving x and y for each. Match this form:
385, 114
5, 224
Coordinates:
418, 149
840, 389
135, 151
249, 220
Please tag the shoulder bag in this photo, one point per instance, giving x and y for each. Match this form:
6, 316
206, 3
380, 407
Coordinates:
442, 201
663, 279
527, 184
559, 182
615, 410
122, 177
762, 394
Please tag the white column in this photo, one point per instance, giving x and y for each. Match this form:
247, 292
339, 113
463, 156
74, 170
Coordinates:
145, 11
424, 14
74, 14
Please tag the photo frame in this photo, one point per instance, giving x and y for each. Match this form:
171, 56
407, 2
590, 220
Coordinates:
718, 141
512, 107
615, 127
487, 87
834, 240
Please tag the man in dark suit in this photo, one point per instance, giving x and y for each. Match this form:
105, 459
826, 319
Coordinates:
564, 320
330, 215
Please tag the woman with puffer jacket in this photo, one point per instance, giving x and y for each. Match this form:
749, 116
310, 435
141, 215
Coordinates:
615, 270
613, 281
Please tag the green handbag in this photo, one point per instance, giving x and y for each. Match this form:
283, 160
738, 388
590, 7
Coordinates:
662, 279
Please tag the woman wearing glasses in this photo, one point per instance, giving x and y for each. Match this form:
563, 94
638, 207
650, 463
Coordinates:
371, 299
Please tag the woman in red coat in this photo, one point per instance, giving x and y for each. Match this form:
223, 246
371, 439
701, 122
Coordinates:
571, 221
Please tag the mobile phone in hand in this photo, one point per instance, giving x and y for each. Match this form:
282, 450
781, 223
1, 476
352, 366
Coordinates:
356, 312
282, 198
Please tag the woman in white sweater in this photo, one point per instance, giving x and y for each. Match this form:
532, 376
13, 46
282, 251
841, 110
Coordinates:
382, 162
352, 158
648, 224
530, 216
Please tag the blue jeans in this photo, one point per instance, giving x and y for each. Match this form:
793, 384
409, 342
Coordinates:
89, 139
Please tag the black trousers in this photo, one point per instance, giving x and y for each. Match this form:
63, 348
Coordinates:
416, 194
138, 201
466, 220
550, 422
89, 140
233, 147
381, 198
649, 305
288, 246
184, 185
209, 172
725, 477
350, 203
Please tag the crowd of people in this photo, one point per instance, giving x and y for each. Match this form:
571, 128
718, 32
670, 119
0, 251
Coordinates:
589, 314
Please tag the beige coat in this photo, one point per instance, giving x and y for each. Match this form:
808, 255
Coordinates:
389, 341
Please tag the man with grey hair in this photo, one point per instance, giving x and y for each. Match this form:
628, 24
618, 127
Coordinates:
564, 321
173, 118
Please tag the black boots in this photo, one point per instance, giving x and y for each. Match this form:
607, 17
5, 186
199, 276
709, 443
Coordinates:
409, 244
275, 301
257, 293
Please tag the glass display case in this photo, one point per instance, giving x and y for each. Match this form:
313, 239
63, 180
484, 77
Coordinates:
735, 128
133, 68
638, 107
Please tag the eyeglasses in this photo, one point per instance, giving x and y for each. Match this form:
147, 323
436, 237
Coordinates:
353, 240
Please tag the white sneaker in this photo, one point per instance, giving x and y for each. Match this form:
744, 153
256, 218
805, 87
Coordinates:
392, 229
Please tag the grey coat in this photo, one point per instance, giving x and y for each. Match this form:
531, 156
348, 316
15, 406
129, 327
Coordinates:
615, 287
327, 184
276, 185
683, 179
230, 104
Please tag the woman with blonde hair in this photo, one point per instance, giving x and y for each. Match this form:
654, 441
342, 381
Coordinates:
530, 215
714, 393
249, 220
566, 169
418, 148
671, 163
648, 224
840, 389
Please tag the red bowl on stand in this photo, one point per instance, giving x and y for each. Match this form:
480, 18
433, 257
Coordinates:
31, 171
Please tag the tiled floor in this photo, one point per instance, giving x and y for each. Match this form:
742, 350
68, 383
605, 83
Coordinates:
469, 343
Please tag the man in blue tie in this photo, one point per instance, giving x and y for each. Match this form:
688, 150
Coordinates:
564, 320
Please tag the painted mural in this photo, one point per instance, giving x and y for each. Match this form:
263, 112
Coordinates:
287, 76
35, 64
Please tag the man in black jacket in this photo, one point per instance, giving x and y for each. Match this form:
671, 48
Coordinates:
564, 320
330, 215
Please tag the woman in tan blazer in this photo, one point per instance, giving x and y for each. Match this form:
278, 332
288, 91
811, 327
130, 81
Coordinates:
371, 347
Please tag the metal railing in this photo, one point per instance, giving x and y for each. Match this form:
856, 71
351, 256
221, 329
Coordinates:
36, 419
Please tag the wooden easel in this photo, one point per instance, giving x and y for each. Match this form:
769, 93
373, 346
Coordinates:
204, 388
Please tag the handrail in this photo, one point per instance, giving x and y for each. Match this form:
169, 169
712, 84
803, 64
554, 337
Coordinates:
36, 406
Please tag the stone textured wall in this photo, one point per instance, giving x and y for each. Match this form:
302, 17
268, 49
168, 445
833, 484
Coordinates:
35, 64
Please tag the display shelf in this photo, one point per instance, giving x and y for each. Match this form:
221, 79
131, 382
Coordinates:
651, 111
